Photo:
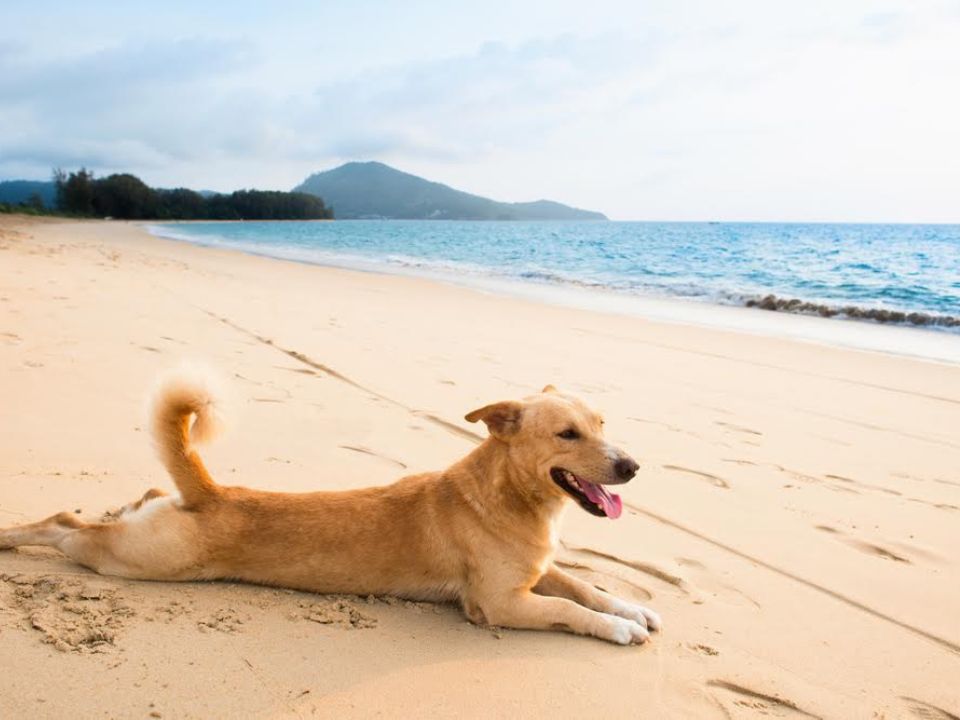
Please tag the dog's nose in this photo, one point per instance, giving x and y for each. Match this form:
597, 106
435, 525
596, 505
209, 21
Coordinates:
625, 468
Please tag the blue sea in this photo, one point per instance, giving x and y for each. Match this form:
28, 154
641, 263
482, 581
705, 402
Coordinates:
844, 271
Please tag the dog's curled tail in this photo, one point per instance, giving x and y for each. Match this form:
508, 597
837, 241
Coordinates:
185, 412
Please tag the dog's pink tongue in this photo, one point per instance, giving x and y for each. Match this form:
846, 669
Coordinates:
612, 504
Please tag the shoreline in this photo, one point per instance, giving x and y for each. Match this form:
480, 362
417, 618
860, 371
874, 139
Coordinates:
920, 342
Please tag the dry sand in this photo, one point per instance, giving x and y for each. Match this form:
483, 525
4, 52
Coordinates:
796, 520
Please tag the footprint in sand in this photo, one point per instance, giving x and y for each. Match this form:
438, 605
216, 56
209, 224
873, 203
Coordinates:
911, 552
702, 649
668, 426
938, 506
843, 487
863, 546
367, 451
646, 568
763, 703
712, 479
927, 711
709, 583
606, 581
737, 428
299, 371
946, 482
857, 483
831, 440
907, 476
887, 491
737, 461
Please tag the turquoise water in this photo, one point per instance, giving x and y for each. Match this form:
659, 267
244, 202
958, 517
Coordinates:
899, 268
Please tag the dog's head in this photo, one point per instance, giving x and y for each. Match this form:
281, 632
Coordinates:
558, 440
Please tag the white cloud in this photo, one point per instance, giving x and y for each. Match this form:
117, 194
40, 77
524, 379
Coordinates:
642, 110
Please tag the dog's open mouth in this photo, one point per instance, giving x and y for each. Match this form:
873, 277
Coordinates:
593, 498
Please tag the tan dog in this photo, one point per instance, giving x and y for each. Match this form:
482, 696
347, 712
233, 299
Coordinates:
482, 532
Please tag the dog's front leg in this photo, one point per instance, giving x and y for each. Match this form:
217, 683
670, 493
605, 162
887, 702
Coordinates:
558, 583
526, 610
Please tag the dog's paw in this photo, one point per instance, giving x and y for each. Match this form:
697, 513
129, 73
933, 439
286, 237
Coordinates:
625, 632
639, 614
654, 623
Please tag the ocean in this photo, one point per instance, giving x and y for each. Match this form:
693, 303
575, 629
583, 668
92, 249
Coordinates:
891, 275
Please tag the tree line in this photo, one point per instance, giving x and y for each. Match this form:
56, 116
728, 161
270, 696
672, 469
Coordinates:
127, 197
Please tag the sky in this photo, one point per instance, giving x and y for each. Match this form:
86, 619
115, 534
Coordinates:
771, 110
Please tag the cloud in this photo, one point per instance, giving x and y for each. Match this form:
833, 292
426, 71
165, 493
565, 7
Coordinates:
144, 106
498, 97
131, 104
654, 109
114, 73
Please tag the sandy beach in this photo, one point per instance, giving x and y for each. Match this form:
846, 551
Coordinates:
796, 518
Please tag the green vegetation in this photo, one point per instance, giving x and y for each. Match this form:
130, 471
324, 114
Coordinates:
124, 196
23, 209
375, 190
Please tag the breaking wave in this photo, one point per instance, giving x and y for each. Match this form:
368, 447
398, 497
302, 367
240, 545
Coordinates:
853, 312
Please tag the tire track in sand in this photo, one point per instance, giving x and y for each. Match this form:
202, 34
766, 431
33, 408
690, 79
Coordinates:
450, 427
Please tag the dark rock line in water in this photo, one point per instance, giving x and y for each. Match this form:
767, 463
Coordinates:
802, 307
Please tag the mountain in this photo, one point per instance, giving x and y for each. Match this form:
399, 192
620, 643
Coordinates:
15, 192
375, 190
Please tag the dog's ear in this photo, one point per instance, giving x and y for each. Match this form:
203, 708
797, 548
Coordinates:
549, 389
502, 418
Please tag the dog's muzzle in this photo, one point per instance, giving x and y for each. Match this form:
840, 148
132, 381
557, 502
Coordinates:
592, 497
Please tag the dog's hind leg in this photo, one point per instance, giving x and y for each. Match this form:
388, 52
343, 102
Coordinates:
46, 532
155, 542
558, 583
85, 543
526, 610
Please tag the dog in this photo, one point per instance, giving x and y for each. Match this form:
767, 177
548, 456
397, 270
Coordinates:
483, 532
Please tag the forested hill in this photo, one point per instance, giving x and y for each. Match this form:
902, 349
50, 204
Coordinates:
124, 196
375, 190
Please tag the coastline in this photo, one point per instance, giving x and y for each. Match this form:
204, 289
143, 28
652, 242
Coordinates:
795, 516
753, 317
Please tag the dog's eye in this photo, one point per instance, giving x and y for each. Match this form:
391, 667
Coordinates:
569, 434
